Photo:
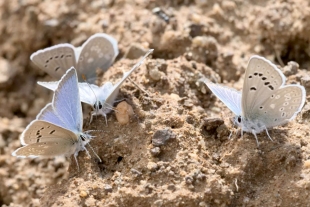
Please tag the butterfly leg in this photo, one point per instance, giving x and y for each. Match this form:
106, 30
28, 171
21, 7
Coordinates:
106, 120
253, 132
76, 161
268, 134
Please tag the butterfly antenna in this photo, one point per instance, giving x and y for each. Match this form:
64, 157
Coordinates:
268, 134
77, 163
94, 152
141, 89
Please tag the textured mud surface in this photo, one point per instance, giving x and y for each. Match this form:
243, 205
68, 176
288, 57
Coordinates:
175, 150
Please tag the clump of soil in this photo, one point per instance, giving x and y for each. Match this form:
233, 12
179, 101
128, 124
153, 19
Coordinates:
175, 150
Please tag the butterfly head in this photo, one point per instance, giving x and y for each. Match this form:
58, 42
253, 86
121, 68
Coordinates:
84, 138
248, 125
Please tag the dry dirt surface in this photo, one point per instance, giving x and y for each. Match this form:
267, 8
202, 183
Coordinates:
175, 150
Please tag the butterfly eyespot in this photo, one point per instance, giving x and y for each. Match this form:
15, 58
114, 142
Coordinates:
261, 107
52, 131
250, 76
281, 109
283, 114
255, 74
264, 78
267, 83
57, 68
271, 87
47, 61
275, 119
56, 56
61, 56
253, 89
260, 74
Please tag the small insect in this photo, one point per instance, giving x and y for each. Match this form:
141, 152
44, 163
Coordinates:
265, 101
57, 130
161, 14
100, 98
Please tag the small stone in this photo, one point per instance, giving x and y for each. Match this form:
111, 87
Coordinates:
228, 5
90, 202
291, 68
108, 188
123, 112
135, 51
171, 187
152, 166
155, 151
158, 203
136, 172
189, 180
155, 74
83, 194
211, 124
307, 164
188, 103
157, 69
160, 137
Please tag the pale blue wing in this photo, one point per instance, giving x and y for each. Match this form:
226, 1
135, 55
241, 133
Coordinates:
112, 96
48, 114
98, 52
49, 85
229, 96
66, 102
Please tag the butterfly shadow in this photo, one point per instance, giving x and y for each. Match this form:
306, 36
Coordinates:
260, 169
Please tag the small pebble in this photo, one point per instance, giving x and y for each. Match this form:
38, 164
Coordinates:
155, 151
160, 137
123, 112
158, 203
291, 68
108, 188
83, 194
136, 172
152, 166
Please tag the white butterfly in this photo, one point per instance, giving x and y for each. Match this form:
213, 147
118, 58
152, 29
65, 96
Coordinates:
99, 51
100, 98
265, 101
57, 129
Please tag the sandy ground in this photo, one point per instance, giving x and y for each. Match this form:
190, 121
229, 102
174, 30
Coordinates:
175, 150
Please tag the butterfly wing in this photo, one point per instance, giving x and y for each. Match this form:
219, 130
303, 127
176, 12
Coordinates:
262, 79
44, 139
55, 60
99, 51
282, 106
65, 109
89, 93
229, 96
112, 96
49, 85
